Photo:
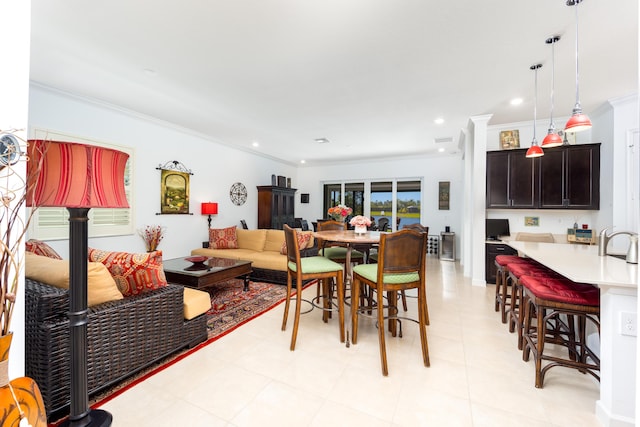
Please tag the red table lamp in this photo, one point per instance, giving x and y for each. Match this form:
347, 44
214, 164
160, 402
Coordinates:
209, 208
78, 177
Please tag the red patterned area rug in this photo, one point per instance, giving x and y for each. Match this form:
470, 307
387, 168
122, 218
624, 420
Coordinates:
231, 308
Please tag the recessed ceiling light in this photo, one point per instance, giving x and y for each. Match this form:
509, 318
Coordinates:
322, 140
516, 101
439, 121
255, 144
440, 150
303, 161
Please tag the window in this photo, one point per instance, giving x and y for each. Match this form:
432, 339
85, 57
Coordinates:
392, 202
332, 196
53, 223
408, 198
354, 197
382, 203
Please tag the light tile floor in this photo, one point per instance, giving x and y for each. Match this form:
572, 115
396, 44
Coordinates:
477, 376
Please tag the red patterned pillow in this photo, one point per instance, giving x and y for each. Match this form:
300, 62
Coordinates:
303, 241
223, 238
41, 248
133, 273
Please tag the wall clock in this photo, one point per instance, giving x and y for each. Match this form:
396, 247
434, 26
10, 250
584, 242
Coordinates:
238, 193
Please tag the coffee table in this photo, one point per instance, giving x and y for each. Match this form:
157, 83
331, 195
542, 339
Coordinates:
212, 271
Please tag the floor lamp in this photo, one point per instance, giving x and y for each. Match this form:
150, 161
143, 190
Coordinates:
78, 177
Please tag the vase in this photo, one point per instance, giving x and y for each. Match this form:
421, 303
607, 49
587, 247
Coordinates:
21, 391
360, 229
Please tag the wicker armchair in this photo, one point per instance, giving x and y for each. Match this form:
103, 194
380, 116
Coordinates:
123, 337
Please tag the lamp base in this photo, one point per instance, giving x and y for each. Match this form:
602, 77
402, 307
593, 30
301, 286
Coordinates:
95, 418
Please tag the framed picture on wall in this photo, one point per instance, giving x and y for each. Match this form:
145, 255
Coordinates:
509, 139
443, 195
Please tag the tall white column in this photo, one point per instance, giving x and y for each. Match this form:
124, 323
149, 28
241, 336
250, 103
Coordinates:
476, 211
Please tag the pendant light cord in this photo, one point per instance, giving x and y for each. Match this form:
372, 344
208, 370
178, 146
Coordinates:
577, 79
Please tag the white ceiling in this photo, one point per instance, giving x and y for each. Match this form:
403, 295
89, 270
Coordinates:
369, 75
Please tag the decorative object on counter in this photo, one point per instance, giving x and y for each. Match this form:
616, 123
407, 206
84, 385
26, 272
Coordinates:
288, 182
360, 223
509, 139
282, 181
174, 188
578, 121
90, 177
535, 150
553, 139
339, 212
209, 208
444, 189
20, 399
273, 180
152, 236
238, 193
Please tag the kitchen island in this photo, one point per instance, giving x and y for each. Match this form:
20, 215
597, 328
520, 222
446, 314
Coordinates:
618, 283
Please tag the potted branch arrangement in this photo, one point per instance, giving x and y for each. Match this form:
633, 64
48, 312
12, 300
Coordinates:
20, 400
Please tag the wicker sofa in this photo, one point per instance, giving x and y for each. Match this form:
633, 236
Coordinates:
263, 248
123, 337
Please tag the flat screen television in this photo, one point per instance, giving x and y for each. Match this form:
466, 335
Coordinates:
494, 228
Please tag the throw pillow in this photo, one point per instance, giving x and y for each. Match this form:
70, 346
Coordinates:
303, 241
55, 272
133, 273
39, 247
223, 238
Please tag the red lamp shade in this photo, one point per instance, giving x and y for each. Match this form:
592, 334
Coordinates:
76, 175
551, 140
577, 123
209, 208
534, 151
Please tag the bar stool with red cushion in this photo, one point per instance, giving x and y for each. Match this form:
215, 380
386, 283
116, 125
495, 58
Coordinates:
549, 298
503, 282
517, 270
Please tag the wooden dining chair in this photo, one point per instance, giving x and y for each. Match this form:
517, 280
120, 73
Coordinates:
302, 269
401, 266
374, 257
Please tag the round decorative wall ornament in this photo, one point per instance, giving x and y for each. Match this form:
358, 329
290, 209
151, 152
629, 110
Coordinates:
238, 193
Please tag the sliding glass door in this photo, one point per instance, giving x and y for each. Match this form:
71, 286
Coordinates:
392, 203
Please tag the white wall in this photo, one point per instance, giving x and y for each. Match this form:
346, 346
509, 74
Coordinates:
432, 169
215, 168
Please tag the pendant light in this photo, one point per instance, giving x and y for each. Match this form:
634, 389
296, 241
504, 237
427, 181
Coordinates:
552, 139
578, 121
535, 150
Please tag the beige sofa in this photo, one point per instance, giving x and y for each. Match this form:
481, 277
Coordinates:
263, 248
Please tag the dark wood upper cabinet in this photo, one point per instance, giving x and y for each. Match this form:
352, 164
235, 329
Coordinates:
570, 177
566, 177
276, 206
510, 180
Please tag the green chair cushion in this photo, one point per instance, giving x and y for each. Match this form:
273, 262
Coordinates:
370, 272
316, 264
341, 253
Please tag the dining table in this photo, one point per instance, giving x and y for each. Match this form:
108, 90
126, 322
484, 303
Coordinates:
350, 239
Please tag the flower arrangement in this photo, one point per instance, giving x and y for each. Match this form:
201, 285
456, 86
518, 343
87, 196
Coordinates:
152, 236
339, 212
360, 221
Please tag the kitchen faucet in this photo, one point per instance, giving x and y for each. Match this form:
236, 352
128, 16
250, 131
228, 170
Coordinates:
632, 252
